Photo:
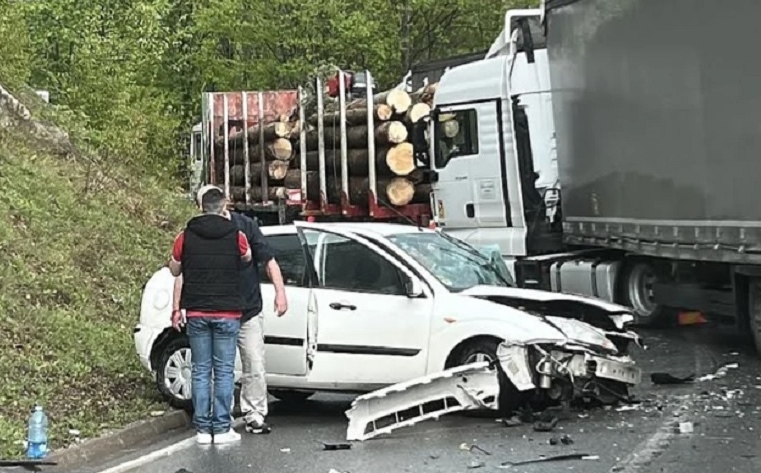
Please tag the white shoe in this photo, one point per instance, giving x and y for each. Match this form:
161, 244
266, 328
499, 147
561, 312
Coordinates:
203, 439
228, 437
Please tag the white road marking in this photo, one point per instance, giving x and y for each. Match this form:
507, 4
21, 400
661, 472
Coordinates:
164, 452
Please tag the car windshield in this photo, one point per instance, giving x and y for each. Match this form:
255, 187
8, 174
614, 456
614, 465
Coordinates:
454, 263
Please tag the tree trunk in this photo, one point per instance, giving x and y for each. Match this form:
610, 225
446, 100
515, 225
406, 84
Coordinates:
281, 149
357, 116
277, 169
417, 112
425, 94
274, 192
397, 160
272, 131
396, 191
398, 100
237, 174
391, 132
400, 191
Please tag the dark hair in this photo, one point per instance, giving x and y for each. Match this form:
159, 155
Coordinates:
213, 201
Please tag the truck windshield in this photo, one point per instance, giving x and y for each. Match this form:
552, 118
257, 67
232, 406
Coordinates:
454, 263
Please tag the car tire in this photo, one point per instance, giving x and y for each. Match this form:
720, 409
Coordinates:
289, 396
173, 361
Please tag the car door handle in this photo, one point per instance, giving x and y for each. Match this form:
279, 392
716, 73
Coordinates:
340, 306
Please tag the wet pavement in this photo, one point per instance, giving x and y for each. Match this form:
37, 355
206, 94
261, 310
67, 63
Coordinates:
724, 413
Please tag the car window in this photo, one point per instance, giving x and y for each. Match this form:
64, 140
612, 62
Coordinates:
290, 258
351, 266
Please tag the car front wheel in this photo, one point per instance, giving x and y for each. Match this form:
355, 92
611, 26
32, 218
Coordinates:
173, 373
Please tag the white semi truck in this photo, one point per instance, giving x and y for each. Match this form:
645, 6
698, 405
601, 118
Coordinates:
612, 163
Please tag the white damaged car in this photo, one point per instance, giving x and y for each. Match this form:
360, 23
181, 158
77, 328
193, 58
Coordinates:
372, 305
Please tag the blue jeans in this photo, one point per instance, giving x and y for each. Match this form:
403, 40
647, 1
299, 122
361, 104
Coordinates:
213, 341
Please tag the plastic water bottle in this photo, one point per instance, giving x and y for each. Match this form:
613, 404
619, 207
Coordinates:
37, 435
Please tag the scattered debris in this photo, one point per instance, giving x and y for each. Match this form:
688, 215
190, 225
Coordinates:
565, 439
629, 407
686, 428
514, 421
545, 425
157, 413
666, 378
720, 373
336, 446
285, 450
476, 464
572, 456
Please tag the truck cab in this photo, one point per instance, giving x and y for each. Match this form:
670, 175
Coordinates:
493, 146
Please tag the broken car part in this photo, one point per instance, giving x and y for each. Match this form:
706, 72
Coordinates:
466, 387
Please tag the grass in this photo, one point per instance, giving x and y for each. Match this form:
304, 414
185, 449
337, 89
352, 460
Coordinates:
76, 248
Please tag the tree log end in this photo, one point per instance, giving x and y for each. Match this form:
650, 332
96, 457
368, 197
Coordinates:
417, 112
401, 159
399, 100
282, 149
384, 112
400, 191
396, 132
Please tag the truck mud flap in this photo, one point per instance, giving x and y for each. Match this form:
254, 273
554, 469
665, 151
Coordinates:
466, 387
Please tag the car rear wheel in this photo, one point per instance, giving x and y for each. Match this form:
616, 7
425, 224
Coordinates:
173, 373
291, 397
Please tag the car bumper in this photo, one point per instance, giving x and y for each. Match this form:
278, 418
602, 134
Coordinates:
144, 338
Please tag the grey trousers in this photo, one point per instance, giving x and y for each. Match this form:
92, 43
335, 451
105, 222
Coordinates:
253, 391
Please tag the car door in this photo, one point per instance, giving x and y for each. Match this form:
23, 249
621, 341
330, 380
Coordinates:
374, 314
286, 338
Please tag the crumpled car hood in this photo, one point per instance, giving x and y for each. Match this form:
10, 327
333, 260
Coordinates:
598, 313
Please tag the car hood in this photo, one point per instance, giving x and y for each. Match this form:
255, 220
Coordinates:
598, 313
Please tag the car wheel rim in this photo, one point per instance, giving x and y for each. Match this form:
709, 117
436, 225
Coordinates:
177, 374
478, 358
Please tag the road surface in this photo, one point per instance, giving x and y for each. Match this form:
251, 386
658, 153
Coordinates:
725, 414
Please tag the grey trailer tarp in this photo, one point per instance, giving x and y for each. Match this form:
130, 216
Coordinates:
658, 113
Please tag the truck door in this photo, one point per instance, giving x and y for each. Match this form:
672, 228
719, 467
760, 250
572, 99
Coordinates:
471, 190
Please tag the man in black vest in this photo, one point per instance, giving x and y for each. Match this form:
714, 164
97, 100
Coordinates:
209, 254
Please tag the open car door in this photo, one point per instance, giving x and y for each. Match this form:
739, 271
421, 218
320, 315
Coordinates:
374, 314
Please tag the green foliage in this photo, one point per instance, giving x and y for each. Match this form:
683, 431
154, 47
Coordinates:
72, 267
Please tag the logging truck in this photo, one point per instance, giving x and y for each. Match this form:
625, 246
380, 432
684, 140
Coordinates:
648, 197
334, 150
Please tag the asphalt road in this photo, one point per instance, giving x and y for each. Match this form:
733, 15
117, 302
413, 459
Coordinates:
725, 414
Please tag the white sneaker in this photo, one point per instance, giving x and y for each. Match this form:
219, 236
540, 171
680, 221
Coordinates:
203, 439
228, 437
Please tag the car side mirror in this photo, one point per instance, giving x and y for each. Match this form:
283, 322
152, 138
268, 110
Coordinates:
414, 288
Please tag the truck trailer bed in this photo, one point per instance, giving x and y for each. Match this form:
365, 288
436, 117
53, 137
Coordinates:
658, 115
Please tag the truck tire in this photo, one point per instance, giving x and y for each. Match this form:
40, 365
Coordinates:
754, 312
173, 373
636, 292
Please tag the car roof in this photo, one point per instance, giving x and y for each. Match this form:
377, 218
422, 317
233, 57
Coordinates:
368, 228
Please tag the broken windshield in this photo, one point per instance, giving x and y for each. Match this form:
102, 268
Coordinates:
454, 263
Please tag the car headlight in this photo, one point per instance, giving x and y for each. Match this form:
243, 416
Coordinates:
161, 299
582, 333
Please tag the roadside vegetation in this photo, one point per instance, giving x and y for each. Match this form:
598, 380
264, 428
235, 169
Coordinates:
86, 216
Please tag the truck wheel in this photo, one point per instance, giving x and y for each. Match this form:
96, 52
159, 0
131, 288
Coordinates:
637, 293
173, 375
754, 312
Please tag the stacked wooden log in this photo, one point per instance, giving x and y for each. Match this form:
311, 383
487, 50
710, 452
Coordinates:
276, 141
400, 181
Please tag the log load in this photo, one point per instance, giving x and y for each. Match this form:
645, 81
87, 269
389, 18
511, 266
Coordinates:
397, 160
398, 100
417, 112
391, 132
425, 94
356, 116
279, 149
274, 193
272, 131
